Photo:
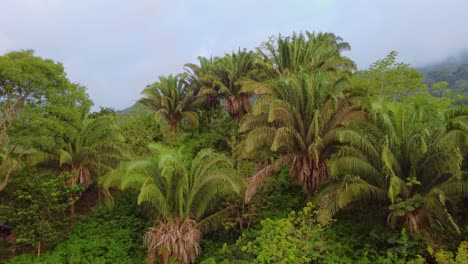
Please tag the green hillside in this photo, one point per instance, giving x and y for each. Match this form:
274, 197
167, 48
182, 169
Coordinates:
135, 108
454, 74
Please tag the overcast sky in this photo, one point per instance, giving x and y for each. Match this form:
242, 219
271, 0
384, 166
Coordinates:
116, 47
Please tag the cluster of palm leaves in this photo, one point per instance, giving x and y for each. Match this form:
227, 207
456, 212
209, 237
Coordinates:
171, 99
238, 76
401, 158
182, 195
97, 149
202, 87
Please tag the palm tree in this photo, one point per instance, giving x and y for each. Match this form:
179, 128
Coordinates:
405, 161
305, 53
97, 149
234, 74
298, 122
171, 99
201, 79
181, 195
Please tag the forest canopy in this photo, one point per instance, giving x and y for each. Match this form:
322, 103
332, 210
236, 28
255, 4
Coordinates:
282, 154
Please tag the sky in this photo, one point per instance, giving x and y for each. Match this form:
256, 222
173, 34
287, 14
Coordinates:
116, 47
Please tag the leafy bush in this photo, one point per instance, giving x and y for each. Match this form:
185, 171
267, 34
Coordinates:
38, 211
446, 257
295, 239
140, 129
106, 236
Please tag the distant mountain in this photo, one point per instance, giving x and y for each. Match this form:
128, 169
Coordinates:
132, 109
454, 71
450, 62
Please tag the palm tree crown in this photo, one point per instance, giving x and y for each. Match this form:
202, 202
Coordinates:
299, 121
182, 196
201, 79
310, 53
233, 72
172, 100
97, 149
402, 162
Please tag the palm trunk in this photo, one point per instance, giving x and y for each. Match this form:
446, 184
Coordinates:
261, 175
309, 173
249, 221
72, 208
39, 249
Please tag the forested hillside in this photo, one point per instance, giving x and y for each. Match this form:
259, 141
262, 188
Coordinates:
451, 75
282, 154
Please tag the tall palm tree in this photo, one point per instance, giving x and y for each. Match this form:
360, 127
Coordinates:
309, 52
234, 72
298, 122
201, 79
181, 195
405, 161
97, 149
171, 99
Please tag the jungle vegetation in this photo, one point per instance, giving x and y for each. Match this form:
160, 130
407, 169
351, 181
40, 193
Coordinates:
283, 154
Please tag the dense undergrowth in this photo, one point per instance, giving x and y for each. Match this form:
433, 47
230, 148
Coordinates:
103, 236
282, 232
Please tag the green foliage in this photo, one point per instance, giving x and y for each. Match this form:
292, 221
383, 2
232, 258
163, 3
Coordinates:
396, 162
181, 195
400, 207
389, 79
139, 130
105, 236
97, 149
275, 204
39, 107
55, 122
171, 187
444, 257
372, 143
296, 239
220, 135
38, 211
355, 238
455, 79
103, 111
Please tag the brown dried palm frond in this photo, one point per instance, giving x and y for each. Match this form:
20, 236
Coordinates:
263, 174
174, 239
